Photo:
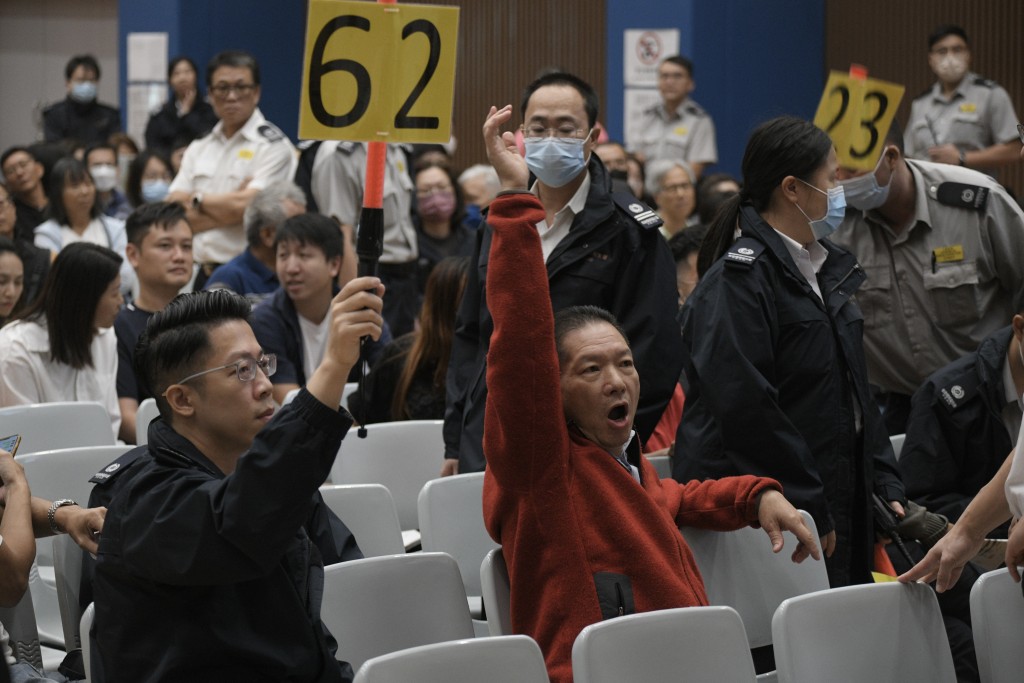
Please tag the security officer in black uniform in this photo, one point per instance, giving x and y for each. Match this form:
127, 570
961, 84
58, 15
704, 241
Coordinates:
601, 249
963, 422
778, 384
79, 116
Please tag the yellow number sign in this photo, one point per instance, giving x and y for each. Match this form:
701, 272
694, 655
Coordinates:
375, 71
857, 113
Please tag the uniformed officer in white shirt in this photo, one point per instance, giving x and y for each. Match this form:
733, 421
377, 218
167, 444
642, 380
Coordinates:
961, 119
223, 171
678, 128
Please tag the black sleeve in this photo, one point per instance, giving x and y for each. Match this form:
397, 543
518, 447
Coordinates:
931, 461
332, 538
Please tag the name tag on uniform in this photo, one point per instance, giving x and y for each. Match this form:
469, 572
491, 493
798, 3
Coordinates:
246, 154
949, 254
969, 107
681, 130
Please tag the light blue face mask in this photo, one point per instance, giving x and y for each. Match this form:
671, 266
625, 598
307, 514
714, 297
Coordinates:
555, 161
864, 192
83, 91
154, 190
834, 215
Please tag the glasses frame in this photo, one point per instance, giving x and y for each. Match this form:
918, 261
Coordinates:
555, 133
223, 90
267, 359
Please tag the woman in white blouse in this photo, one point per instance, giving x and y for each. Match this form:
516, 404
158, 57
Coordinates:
63, 347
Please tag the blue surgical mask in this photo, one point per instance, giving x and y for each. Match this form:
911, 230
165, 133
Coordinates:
834, 215
154, 190
555, 161
864, 192
83, 91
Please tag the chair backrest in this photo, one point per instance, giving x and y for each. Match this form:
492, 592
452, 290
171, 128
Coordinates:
997, 613
509, 659
67, 565
401, 455
369, 512
384, 604
689, 643
20, 623
496, 593
897, 444
146, 413
883, 632
84, 627
452, 521
741, 571
46, 426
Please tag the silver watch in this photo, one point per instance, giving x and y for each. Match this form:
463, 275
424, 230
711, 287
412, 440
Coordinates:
52, 512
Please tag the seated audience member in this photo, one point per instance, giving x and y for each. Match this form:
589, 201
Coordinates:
408, 380
588, 530
24, 175
673, 186
253, 272
480, 186
75, 217
160, 251
12, 279
685, 246
206, 568
294, 323
713, 191
79, 116
186, 113
963, 421
149, 178
101, 160
62, 348
35, 261
614, 157
637, 179
440, 231
22, 520
430, 154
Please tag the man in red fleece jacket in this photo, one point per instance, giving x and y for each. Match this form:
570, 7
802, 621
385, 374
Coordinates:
588, 530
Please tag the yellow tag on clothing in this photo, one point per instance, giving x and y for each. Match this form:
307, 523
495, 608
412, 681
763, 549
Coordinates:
949, 254
681, 130
968, 107
245, 154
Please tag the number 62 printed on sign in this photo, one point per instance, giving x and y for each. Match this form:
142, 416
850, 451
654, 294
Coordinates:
857, 113
375, 71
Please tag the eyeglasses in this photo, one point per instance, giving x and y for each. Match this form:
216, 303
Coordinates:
538, 131
222, 90
245, 368
677, 188
1020, 131
15, 166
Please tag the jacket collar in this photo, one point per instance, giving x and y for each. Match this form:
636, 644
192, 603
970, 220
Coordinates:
167, 445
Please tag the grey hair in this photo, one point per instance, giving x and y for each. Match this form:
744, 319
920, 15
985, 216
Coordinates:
267, 208
657, 169
484, 171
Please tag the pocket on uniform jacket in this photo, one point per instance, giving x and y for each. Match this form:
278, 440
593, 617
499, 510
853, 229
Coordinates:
874, 298
614, 594
951, 289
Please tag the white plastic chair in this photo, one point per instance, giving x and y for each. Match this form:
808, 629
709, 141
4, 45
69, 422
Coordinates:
897, 444
510, 659
452, 521
46, 426
688, 643
662, 465
345, 392
53, 475
997, 614
368, 511
84, 627
67, 566
401, 455
146, 413
741, 571
883, 632
496, 593
384, 604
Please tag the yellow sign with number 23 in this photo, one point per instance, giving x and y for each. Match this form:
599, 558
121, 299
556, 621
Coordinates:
857, 113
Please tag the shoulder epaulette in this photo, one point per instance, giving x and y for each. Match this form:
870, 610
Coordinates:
695, 108
960, 195
637, 210
271, 132
107, 474
303, 145
959, 392
984, 82
346, 147
744, 252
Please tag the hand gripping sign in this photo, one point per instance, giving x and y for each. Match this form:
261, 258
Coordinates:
856, 112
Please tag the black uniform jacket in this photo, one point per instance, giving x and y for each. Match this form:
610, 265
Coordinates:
773, 374
165, 128
609, 259
203, 576
956, 439
85, 122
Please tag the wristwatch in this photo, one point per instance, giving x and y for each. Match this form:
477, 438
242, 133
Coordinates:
51, 514
963, 156
197, 201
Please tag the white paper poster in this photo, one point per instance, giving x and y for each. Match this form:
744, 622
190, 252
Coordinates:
147, 57
644, 50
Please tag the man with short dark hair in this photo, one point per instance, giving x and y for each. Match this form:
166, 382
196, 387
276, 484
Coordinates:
160, 250
252, 273
601, 248
79, 116
677, 128
101, 160
24, 175
210, 566
222, 172
963, 118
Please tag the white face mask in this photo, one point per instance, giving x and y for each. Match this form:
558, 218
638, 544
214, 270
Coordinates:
864, 192
104, 176
951, 68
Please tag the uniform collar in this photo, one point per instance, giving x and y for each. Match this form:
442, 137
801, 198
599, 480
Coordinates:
960, 91
249, 130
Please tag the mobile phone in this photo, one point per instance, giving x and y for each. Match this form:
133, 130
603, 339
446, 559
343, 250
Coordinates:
11, 443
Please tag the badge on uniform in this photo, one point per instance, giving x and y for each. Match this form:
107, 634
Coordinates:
962, 195
950, 254
637, 210
968, 107
744, 251
246, 154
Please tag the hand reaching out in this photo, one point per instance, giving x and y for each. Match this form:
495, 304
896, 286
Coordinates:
776, 514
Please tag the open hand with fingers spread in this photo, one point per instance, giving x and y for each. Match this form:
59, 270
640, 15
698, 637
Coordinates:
502, 151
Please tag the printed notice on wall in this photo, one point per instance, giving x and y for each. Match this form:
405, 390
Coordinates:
644, 50
147, 57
